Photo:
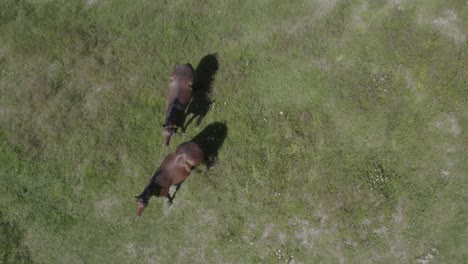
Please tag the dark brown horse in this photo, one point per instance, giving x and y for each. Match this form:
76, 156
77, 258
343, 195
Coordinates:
179, 95
175, 168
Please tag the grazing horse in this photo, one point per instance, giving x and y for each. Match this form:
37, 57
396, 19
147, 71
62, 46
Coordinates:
175, 168
179, 95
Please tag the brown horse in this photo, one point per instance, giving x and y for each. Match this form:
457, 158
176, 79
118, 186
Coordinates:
179, 95
175, 168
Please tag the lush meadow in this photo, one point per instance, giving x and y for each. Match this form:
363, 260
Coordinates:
346, 131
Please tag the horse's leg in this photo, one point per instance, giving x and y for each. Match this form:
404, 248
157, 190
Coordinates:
190, 120
173, 195
209, 163
169, 199
178, 187
182, 125
199, 120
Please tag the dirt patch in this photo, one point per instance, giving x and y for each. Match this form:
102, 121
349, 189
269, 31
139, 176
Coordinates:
395, 3
130, 249
294, 25
268, 230
447, 26
282, 237
127, 164
151, 256
308, 232
382, 231
398, 217
94, 98
411, 83
196, 255
166, 207
323, 64
80, 175
325, 7
445, 173
428, 257
208, 216
356, 21
396, 236
90, 2
447, 122
104, 207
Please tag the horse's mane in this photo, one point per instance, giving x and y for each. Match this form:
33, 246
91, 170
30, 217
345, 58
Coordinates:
174, 113
152, 188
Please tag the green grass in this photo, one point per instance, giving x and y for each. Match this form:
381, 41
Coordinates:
346, 131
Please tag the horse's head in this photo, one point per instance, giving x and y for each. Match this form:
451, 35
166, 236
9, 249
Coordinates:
141, 205
143, 198
151, 189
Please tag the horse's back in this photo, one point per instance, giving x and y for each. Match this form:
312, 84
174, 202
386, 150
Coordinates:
180, 86
192, 151
184, 72
178, 165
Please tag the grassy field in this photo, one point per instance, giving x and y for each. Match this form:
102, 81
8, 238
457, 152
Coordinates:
346, 131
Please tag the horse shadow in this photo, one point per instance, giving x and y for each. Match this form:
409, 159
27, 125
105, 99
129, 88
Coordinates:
211, 139
201, 101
